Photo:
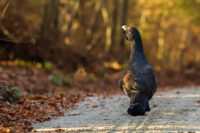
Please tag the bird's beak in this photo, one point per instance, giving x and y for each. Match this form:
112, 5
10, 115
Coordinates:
124, 27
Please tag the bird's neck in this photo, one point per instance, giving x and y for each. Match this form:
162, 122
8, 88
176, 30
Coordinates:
137, 50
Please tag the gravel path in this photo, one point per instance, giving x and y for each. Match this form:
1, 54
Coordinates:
171, 111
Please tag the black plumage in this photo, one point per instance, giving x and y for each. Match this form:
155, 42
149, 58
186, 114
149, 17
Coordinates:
139, 79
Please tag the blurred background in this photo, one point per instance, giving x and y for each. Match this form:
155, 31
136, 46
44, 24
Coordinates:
78, 43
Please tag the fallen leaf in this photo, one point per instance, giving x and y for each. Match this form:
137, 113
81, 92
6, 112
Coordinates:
94, 106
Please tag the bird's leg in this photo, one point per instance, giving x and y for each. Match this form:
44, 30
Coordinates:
139, 104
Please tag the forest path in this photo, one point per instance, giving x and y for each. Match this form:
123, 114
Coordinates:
171, 111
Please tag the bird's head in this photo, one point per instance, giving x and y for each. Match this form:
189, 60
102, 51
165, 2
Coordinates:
130, 33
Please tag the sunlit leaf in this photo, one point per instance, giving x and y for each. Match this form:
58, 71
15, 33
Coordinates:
114, 65
48, 65
22, 62
39, 65
67, 41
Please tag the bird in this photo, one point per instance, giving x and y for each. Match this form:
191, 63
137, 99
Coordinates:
139, 81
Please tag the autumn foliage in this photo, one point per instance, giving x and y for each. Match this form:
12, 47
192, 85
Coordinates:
53, 53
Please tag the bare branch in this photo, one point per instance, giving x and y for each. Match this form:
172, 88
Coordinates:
4, 10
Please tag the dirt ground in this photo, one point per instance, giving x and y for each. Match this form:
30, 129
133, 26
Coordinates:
171, 111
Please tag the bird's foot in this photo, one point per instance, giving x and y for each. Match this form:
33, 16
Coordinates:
135, 110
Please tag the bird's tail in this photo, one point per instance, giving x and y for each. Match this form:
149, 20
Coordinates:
139, 104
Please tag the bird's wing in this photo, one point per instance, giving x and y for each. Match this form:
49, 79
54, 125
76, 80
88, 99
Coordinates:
141, 83
146, 80
128, 82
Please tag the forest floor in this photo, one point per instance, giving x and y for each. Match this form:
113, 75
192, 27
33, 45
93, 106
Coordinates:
46, 94
171, 111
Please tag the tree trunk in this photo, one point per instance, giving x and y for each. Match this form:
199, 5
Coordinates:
73, 14
184, 45
49, 26
123, 18
97, 10
115, 18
